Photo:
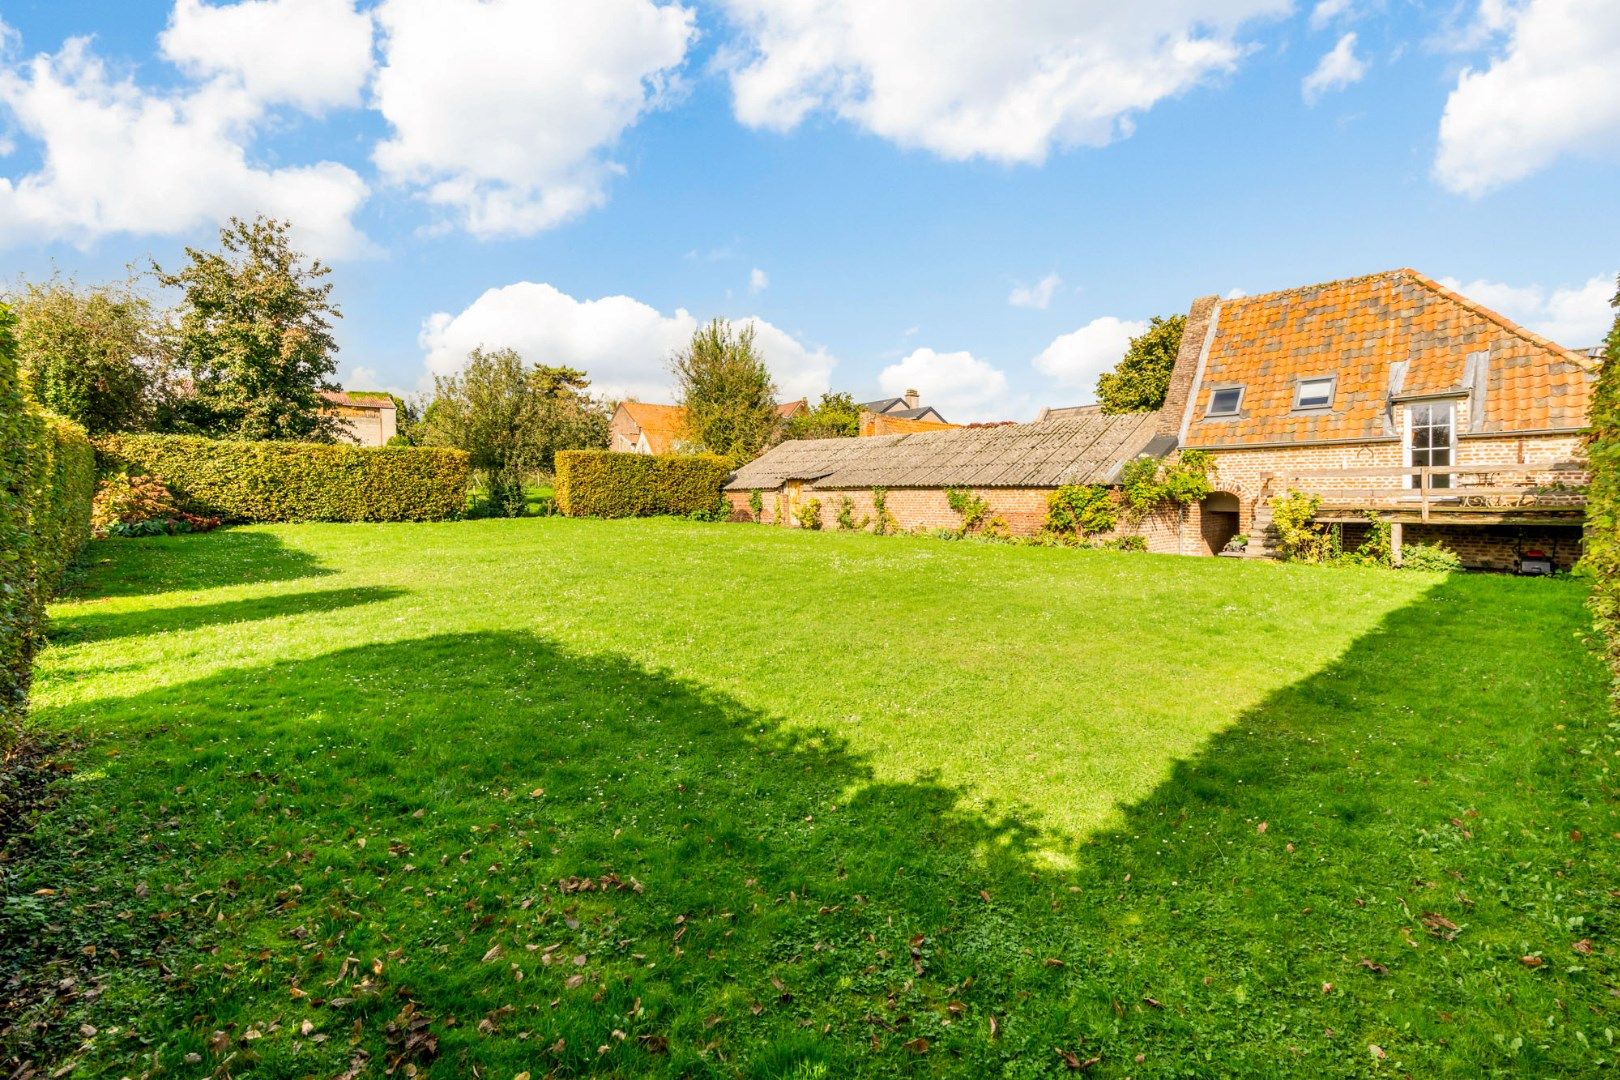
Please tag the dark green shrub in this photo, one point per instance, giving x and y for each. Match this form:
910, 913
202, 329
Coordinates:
1123, 543
47, 479
141, 506
609, 484
1299, 537
1430, 557
1602, 558
286, 481
809, 514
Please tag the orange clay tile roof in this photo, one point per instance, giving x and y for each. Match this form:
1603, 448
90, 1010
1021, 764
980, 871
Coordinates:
1357, 330
873, 424
789, 408
663, 425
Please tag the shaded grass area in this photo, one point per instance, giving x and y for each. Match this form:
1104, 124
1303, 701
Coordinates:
351, 816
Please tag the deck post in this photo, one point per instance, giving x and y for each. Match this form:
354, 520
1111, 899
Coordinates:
1395, 543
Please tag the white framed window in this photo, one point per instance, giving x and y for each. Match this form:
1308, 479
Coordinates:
1225, 401
1431, 438
1316, 393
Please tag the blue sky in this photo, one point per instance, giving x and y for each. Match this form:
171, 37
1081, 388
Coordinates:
980, 200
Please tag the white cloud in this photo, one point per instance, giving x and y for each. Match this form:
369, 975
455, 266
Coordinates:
117, 158
1554, 89
503, 110
1574, 316
1326, 11
960, 385
758, 280
1076, 359
309, 53
966, 79
1038, 296
1338, 68
624, 344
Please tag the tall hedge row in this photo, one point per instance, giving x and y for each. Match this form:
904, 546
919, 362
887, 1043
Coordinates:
47, 481
606, 483
287, 481
1603, 499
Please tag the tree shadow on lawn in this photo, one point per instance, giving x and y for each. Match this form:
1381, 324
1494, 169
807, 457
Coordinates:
143, 566
570, 864
89, 624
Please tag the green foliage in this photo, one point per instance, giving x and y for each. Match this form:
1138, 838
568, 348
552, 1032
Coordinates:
1377, 549
809, 514
727, 391
969, 506
1299, 537
141, 506
254, 337
1123, 543
240, 481
1432, 558
846, 515
1147, 485
1141, 379
609, 484
836, 416
92, 354
47, 479
1602, 558
883, 522
756, 505
1080, 510
511, 420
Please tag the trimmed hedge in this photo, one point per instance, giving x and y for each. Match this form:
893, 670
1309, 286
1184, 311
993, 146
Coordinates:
609, 484
47, 480
1602, 559
288, 481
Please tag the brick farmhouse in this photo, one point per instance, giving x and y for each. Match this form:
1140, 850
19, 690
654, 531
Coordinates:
1385, 393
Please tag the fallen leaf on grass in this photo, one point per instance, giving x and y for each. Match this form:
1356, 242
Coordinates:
918, 1045
1262, 827
1376, 1051
1583, 946
1531, 962
1374, 967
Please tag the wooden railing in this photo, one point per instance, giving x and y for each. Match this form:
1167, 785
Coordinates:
1470, 489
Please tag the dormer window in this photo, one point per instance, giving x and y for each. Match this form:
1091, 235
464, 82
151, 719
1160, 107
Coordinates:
1225, 401
1314, 393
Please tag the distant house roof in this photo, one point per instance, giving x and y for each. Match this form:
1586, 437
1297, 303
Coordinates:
1085, 450
899, 406
350, 399
1065, 411
1385, 338
872, 423
662, 425
787, 409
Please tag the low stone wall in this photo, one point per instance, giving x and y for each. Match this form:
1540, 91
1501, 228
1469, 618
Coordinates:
1489, 547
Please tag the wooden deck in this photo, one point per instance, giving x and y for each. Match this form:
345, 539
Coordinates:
1453, 494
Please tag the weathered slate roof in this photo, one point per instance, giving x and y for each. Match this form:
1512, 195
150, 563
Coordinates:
1080, 450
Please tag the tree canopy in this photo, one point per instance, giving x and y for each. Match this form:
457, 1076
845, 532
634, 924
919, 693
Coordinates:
93, 354
728, 393
836, 416
254, 336
1141, 379
512, 419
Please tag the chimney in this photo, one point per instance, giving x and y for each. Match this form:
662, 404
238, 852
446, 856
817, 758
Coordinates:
911, 399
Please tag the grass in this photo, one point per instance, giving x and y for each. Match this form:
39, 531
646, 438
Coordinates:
639, 798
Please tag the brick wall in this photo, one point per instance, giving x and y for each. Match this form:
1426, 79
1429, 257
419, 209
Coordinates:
1023, 509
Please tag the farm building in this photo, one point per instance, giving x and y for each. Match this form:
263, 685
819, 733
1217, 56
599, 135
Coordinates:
1393, 394
1013, 467
1386, 393
639, 427
364, 419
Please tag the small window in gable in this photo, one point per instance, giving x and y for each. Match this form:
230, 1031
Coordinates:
1314, 393
1225, 401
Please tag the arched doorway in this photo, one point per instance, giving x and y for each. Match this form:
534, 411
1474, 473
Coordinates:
1218, 519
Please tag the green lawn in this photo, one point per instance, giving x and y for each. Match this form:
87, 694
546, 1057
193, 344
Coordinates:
574, 797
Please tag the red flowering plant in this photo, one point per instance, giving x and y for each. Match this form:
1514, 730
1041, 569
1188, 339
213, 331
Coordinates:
141, 506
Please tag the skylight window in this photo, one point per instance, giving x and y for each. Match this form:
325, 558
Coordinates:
1314, 393
1225, 401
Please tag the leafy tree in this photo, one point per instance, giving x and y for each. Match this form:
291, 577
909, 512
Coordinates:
93, 354
1141, 379
1602, 558
569, 418
835, 416
490, 411
254, 336
729, 397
